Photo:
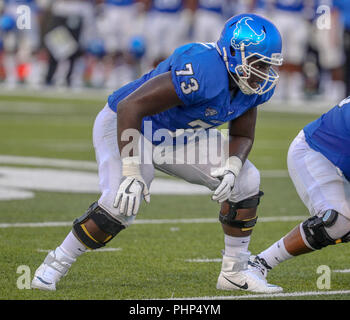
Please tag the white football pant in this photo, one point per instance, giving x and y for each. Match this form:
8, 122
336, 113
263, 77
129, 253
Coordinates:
319, 184
110, 167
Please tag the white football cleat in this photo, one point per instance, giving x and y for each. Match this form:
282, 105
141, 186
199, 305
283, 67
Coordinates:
54, 267
258, 266
235, 275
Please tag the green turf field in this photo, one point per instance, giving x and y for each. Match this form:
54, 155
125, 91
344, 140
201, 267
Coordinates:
150, 260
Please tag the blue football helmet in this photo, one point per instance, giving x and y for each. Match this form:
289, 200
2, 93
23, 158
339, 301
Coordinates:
96, 47
137, 46
7, 22
246, 40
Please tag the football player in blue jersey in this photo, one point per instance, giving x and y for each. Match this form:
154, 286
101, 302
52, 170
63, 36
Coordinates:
199, 87
319, 166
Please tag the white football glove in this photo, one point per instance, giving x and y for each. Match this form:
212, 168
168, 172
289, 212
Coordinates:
227, 175
132, 188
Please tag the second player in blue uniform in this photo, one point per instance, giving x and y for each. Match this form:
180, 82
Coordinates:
319, 166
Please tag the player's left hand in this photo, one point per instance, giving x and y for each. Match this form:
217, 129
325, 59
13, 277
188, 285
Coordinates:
223, 191
227, 175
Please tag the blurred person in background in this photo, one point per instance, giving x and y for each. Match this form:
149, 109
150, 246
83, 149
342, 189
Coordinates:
208, 19
289, 17
168, 26
95, 68
19, 27
119, 22
70, 26
343, 6
326, 38
209, 15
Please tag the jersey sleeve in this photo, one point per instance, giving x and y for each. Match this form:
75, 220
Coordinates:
193, 78
344, 109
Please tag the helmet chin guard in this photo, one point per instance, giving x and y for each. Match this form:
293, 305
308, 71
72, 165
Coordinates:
247, 40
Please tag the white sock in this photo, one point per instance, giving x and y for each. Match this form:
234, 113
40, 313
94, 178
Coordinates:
235, 245
275, 254
50, 274
72, 247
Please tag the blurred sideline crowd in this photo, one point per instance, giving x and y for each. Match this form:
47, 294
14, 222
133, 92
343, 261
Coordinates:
108, 43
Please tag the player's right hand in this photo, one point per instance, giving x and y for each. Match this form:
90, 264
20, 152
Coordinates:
132, 188
130, 194
227, 176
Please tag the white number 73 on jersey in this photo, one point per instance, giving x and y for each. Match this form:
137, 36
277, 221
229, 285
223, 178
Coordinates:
192, 86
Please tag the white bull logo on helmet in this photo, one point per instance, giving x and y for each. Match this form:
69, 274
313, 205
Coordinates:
245, 34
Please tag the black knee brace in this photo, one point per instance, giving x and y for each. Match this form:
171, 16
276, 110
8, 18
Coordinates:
245, 224
103, 220
315, 230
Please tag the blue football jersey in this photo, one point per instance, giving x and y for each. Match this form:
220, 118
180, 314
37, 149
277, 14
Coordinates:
316, 8
285, 5
167, 5
290, 5
330, 135
31, 3
344, 8
20, 2
120, 2
201, 81
212, 5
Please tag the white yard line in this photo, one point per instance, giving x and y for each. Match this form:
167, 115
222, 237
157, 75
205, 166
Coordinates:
96, 250
61, 93
272, 295
48, 162
203, 260
342, 271
207, 260
36, 224
91, 165
150, 221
